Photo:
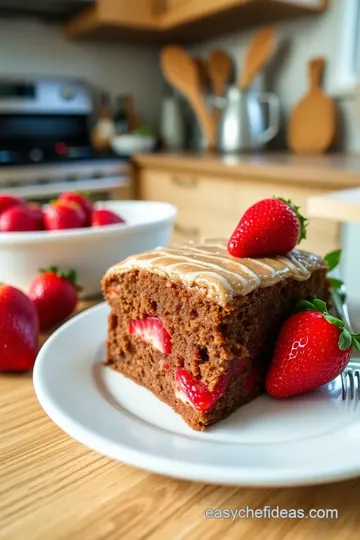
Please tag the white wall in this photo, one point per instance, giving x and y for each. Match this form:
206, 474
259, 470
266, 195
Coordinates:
299, 41
29, 47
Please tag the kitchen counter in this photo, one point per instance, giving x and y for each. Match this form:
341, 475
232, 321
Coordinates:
333, 171
342, 205
55, 488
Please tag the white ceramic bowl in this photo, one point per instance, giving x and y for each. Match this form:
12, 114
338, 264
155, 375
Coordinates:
129, 145
89, 251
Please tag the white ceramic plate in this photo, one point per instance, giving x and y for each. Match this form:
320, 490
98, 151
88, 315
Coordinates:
311, 439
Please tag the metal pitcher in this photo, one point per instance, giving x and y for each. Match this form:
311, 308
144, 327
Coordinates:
242, 126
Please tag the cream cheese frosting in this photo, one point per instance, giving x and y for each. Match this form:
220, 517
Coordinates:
209, 266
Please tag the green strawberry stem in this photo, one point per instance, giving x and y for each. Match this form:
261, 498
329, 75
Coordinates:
346, 338
303, 220
69, 275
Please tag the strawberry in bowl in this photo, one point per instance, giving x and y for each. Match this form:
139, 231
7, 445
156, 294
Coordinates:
69, 243
80, 199
102, 217
8, 201
64, 215
18, 218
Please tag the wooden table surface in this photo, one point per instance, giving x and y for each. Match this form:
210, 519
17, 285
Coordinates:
53, 488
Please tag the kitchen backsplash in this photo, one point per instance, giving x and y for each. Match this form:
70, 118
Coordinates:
300, 40
29, 47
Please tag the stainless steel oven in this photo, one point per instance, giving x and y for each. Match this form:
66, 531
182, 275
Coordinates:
45, 143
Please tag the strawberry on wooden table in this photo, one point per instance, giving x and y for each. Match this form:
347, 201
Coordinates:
54, 295
103, 217
82, 201
19, 330
312, 349
268, 228
64, 215
17, 219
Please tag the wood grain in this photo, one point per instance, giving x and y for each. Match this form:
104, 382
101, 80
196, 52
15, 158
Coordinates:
312, 124
184, 20
52, 487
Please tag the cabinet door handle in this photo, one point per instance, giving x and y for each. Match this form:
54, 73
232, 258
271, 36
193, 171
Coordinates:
188, 232
184, 182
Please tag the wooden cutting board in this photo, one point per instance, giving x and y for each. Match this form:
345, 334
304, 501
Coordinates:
312, 124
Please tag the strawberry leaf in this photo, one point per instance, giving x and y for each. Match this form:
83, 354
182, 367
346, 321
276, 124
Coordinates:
345, 340
303, 220
51, 269
332, 259
320, 305
304, 305
69, 275
335, 321
356, 343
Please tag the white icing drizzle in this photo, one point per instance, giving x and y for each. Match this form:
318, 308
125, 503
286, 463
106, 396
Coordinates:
209, 266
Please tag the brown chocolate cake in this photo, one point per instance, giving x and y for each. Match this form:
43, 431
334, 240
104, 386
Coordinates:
197, 326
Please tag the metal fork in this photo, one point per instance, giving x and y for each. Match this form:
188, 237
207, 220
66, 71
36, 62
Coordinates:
350, 382
350, 377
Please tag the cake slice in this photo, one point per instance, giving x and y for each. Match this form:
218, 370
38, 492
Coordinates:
196, 326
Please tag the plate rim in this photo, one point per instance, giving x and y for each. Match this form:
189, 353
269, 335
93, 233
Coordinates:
174, 468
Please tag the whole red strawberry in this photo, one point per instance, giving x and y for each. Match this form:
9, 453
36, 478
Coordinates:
269, 227
312, 349
7, 201
19, 330
17, 219
103, 217
54, 295
64, 215
82, 201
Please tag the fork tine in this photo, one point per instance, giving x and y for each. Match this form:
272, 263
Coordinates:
350, 375
357, 376
344, 385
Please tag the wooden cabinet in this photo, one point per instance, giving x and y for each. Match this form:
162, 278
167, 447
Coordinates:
182, 20
211, 206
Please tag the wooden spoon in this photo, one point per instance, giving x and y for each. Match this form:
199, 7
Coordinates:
258, 53
312, 124
220, 69
181, 71
202, 68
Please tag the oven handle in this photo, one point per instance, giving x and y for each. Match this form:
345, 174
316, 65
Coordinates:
56, 187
